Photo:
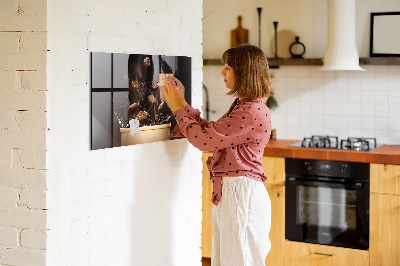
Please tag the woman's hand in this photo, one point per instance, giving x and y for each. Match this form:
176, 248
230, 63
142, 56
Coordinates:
181, 90
173, 95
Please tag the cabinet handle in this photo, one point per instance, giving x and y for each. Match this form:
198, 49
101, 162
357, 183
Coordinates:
324, 254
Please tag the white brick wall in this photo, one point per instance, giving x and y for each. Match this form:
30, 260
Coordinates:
136, 205
23, 132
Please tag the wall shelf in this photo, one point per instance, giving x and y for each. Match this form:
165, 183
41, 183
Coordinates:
274, 63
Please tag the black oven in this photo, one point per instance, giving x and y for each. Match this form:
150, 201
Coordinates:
327, 202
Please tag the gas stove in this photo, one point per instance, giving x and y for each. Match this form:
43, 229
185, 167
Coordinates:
332, 142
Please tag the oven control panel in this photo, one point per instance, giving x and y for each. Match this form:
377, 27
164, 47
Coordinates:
337, 169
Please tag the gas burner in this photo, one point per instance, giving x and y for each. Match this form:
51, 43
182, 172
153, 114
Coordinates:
332, 142
327, 142
358, 144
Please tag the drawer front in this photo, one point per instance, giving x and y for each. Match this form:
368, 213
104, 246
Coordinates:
297, 253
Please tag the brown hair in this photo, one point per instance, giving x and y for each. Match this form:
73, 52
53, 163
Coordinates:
250, 66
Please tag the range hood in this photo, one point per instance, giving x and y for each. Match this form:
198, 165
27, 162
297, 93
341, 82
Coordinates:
341, 51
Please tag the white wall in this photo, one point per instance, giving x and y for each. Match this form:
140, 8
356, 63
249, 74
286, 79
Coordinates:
344, 103
135, 205
306, 19
23, 133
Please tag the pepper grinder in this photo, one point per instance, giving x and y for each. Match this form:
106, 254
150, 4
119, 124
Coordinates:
276, 38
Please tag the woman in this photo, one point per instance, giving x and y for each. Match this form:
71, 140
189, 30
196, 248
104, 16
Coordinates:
242, 208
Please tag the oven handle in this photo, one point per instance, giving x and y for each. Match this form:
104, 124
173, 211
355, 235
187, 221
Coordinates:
357, 185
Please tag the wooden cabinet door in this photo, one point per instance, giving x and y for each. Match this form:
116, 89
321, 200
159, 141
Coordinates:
277, 233
384, 237
206, 232
385, 178
304, 254
274, 168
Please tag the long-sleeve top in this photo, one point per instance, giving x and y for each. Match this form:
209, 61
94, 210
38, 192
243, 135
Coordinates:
238, 139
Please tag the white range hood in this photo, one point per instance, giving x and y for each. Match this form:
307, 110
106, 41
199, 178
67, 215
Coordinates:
341, 51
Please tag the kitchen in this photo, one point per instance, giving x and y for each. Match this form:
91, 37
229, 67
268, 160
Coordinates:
315, 103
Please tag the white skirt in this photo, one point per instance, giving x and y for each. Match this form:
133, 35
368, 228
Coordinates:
241, 223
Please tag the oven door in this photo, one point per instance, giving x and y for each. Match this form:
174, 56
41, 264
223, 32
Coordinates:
327, 213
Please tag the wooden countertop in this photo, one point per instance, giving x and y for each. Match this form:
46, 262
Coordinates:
389, 154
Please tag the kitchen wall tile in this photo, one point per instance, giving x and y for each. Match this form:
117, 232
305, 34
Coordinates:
329, 109
291, 71
355, 122
367, 82
367, 96
354, 80
367, 133
342, 122
342, 109
317, 131
317, 121
355, 109
292, 82
394, 137
367, 122
304, 72
355, 132
329, 121
329, 93
394, 123
381, 136
394, 83
342, 96
381, 110
342, 80
394, 97
317, 95
394, 110
316, 82
380, 71
382, 123
394, 71
380, 97
328, 74
355, 96
315, 72
303, 82
317, 108
367, 110
342, 133
380, 84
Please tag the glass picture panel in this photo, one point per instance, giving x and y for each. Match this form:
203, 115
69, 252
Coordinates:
131, 83
101, 70
120, 73
120, 119
101, 120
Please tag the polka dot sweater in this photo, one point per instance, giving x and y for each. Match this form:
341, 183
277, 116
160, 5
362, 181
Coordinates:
238, 139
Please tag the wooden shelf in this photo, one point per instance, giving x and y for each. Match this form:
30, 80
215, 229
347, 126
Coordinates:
380, 61
274, 63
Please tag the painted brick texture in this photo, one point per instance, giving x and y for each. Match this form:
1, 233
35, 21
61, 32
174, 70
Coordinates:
23, 132
135, 205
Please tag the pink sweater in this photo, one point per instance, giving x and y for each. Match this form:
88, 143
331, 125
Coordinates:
238, 139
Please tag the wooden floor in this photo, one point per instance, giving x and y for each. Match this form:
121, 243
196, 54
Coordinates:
206, 261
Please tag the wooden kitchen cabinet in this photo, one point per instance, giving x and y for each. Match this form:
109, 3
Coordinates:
384, 236
305, 254
385, 215
385, 178
277, 233
206, 232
